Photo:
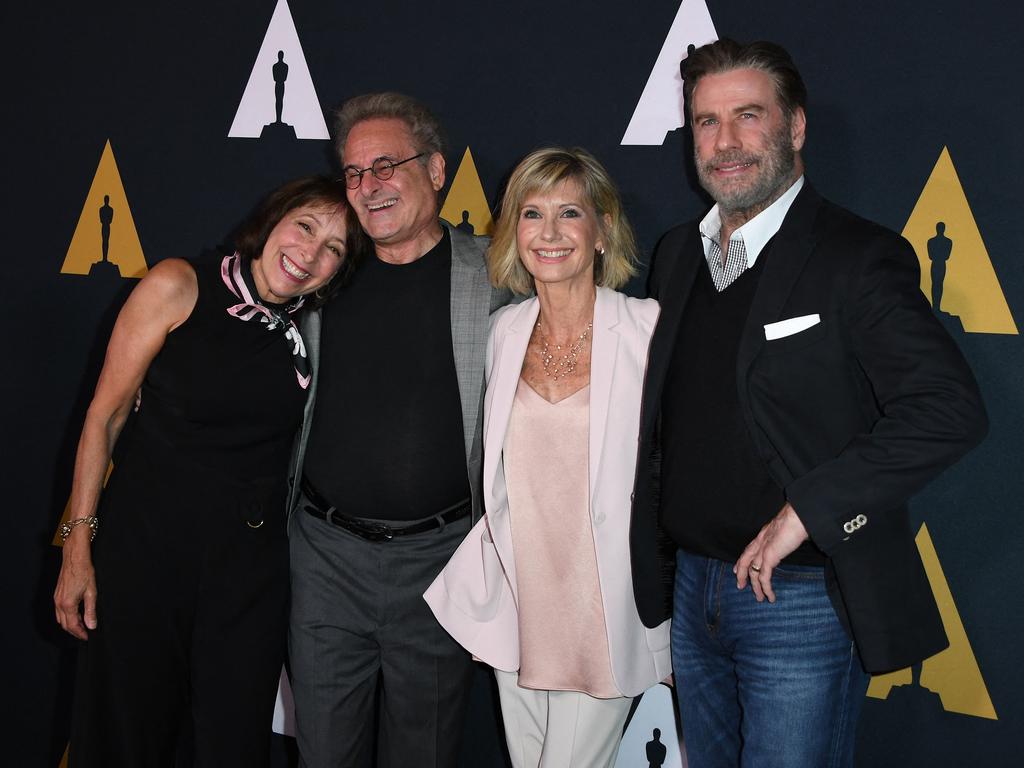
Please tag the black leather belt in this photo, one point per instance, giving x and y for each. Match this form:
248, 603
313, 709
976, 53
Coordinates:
373, 530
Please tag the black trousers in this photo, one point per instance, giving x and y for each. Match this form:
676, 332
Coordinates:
192, 612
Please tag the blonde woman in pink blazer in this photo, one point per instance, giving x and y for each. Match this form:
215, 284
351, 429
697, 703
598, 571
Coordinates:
541, 588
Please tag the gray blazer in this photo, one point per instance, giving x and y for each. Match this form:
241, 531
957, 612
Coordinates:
472, 302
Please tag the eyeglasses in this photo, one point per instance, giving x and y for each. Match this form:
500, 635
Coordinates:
383, 168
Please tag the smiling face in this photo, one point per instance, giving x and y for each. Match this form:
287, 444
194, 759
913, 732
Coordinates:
558, 234
400, 213
303, 252
745, 147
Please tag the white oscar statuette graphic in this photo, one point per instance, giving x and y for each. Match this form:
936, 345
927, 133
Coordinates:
660, 109
280, 99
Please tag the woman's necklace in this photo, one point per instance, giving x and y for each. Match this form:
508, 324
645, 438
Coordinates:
558, 364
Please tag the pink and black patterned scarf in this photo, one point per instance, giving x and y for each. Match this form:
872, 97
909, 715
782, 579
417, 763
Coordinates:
238, 278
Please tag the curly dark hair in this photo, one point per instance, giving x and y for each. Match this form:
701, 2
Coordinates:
316, 191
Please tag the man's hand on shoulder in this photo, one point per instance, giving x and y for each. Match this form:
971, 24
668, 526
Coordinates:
778, 538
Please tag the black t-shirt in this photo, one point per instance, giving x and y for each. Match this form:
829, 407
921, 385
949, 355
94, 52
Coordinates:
387, 438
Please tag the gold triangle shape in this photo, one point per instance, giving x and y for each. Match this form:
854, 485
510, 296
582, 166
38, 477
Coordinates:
953, 674
67, 508
64, 760
466, 204
942, 230
106, 215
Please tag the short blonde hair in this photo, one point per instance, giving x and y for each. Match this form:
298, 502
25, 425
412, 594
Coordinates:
541, 171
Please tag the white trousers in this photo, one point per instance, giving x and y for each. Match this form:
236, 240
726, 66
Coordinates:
559, 729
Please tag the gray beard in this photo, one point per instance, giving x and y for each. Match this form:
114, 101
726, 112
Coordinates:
776, 164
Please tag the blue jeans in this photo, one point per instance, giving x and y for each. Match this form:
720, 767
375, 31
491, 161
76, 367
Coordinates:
763, 684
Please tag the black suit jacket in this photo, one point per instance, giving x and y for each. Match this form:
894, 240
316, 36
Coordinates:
851, 416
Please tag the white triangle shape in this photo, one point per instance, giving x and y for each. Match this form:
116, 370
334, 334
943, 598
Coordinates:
301, 106
284, 707
660, 109
655, 711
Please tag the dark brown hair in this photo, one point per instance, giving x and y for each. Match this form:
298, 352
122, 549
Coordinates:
726, 55
312, 191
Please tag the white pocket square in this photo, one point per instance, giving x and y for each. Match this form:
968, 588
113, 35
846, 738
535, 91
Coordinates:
788, 327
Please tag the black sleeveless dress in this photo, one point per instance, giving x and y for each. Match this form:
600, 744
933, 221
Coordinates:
192, 558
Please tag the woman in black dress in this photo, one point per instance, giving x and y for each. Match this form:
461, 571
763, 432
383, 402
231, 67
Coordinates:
183, 595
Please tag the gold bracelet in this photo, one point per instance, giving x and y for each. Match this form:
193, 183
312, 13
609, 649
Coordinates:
66, 528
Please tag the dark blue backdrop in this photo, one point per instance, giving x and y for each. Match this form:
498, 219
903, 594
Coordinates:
891, 83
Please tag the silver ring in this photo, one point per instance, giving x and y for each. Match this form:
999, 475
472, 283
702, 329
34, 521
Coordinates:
755, 568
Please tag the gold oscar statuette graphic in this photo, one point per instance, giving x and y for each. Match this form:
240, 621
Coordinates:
466, 204
956, 271
105, 238
67, 508
953, 674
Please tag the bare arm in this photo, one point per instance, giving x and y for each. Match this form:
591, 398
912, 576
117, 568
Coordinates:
159, 304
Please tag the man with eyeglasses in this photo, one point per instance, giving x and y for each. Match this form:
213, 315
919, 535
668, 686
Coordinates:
388, 464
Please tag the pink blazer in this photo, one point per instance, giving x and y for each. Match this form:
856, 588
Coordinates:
474, 597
